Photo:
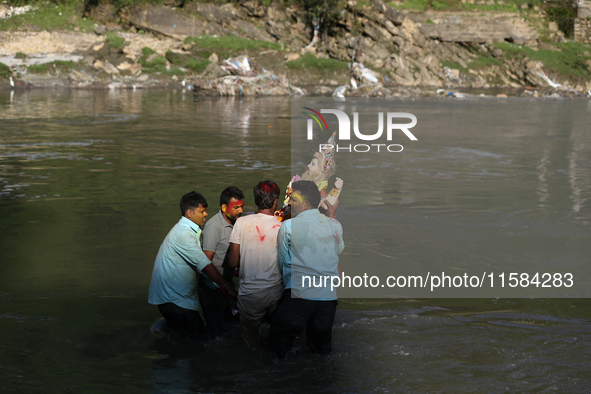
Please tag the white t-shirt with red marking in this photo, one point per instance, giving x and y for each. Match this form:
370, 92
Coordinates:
257, 237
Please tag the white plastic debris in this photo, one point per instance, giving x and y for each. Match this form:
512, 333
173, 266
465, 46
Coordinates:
339, 92
239, 65
362, 73
550, 82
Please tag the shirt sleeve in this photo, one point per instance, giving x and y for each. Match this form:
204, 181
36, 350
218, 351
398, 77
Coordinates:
189, 249
235, 236
211, 238
284, 246
341, 245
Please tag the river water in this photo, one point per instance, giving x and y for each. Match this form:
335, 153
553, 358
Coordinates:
89, 187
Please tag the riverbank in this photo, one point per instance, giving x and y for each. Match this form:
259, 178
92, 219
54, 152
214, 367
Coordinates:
370, 50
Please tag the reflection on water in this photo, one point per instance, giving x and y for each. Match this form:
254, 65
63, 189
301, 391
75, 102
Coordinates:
89, 187
491, 186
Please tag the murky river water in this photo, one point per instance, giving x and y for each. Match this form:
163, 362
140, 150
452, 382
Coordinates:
89, 187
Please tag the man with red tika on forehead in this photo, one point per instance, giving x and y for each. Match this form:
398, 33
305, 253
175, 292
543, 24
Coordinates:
216, 235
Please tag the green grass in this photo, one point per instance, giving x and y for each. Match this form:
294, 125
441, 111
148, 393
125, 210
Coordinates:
47, 17
5, 71
60, 65
197, 65
483, 62
157, 64
311, 61
173, 71
568, 62
457, 5
20, 55
115, 41
454, 66
230, 43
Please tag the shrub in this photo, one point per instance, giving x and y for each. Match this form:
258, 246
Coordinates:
158, 64
5, 71
115, 41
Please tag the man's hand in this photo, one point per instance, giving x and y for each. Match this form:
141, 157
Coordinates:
228, 291
212, 273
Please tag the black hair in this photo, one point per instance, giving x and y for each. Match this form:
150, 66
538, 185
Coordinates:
230, 193
265, 194
192, 200
308, 190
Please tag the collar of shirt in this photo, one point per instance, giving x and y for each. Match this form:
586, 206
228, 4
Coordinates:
223, 219
309, 212
189, 223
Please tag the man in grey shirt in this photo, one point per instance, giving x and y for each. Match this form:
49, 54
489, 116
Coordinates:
216, 233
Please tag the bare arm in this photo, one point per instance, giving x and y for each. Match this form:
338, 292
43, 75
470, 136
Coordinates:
331, 211
234, 257
209, 254
212, 273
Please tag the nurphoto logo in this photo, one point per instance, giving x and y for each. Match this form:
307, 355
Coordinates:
344, 130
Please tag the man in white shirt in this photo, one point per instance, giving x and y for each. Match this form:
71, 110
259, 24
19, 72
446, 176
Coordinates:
253, 247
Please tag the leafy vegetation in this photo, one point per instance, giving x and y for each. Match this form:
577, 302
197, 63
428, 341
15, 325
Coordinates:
115, 41
311, 61
5, 71
322, 14
20, 55
564, 16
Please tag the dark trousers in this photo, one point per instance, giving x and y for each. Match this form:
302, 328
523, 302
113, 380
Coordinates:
293, 315
213, 305
186, 322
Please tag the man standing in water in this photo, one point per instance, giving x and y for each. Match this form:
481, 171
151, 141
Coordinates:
308, 246
174, 278
253, 246
216, 234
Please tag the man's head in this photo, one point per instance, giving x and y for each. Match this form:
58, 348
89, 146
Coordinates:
193, 206
266, 194
231, 203
304, 195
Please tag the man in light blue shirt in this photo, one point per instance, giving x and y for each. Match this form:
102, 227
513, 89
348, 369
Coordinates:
174, 278
307, 256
